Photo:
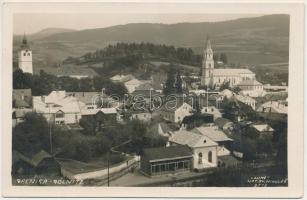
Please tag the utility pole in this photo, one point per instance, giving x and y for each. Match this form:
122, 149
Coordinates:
108, 169
50, 134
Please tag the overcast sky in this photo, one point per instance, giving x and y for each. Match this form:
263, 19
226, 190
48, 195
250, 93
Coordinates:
31, 23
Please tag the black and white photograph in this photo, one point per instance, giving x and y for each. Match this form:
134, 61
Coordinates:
136, 99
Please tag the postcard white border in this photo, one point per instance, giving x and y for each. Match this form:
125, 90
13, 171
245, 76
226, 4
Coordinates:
295, 109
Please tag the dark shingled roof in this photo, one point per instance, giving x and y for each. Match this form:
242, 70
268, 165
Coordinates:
168, 153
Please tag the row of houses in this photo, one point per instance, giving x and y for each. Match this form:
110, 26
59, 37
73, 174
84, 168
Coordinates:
63, 107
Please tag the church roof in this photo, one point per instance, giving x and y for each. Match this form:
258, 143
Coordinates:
191, 139
231, 72
213, 133
24, 44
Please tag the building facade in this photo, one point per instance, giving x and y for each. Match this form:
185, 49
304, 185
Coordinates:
25, 57
166, 160
204, 149
216, 77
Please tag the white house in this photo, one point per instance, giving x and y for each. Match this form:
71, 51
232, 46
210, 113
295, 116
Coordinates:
58, 108
203, 148
212, 110
274, 107
251, 88
247, 100
216, 135
176, 113
141, 115
122, 78
132, 84
227, 93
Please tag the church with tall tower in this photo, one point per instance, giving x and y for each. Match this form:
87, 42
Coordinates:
207, 65
25, 57
241, 77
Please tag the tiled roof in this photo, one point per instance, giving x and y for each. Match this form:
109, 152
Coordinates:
34, 160
168, 153
109, 110
22, 97
231, 72
86, 97
19, 113
19, 103
263, 127
122, 78
212, 132
191, 139
220, 122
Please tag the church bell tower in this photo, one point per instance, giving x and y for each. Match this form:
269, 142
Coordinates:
25, 57
207, 66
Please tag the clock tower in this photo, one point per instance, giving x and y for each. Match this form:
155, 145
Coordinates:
25, 57
207, 66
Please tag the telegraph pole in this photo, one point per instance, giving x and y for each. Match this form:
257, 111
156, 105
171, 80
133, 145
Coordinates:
108, 169
50, 134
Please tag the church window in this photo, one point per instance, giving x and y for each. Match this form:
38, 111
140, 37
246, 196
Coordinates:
200, 158
210, 156
28, 54
24, 54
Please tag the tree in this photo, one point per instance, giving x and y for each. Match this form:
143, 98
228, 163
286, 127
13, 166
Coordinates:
89, 125
137, 131
236, 90
32, 135
21, 80
178, 84
225, 85
223, 58
83, 151
169, 84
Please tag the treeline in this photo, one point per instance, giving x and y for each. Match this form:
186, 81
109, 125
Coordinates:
44, 83
140, 50
32, 135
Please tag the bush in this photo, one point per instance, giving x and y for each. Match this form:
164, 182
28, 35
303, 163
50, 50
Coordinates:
116, 158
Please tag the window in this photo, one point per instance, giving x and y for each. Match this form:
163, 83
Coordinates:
28, 54
210, 156
59, 115
24, 54
200, 158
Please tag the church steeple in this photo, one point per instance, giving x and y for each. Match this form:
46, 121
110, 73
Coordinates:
208, 46
207, 65
24, 44
25, 56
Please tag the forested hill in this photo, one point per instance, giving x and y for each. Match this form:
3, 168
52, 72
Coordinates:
258, 40
138, 52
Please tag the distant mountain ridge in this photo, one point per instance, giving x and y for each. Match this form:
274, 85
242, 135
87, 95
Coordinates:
252, 41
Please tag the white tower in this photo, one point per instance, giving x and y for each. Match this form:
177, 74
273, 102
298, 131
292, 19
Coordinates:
207, 66
25, 57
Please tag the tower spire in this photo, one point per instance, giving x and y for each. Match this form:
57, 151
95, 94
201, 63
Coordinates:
208, 46
24, 43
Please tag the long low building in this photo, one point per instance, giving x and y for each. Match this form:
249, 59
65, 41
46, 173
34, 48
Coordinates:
165, 160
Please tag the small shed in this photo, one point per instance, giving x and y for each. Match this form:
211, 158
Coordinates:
166, 160
39, 163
